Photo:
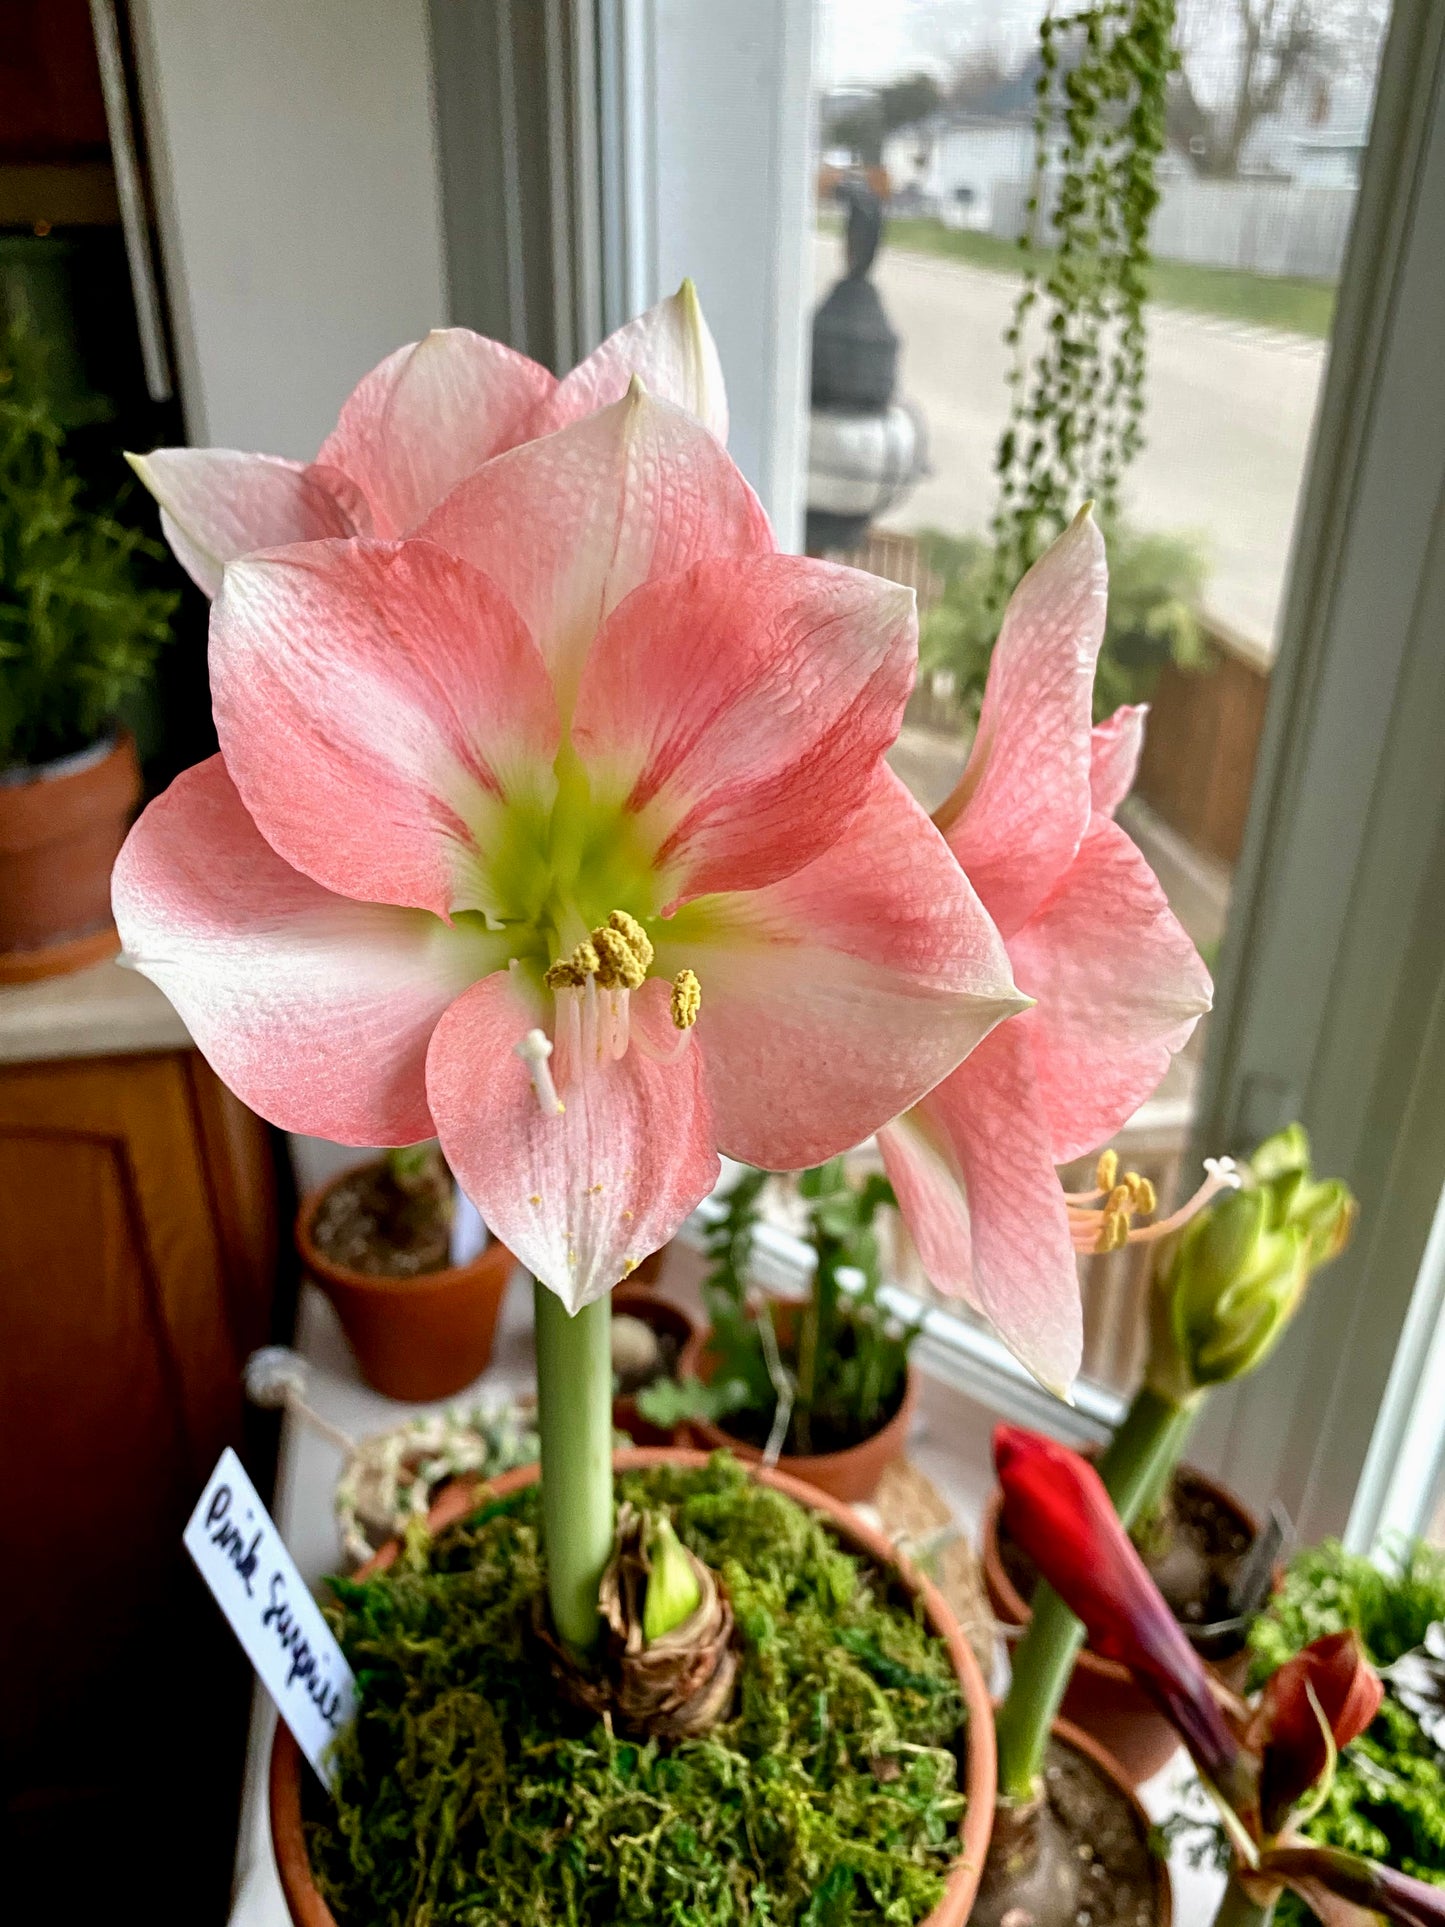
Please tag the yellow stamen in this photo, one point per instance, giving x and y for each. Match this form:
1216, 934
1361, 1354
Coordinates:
1107, 1170
570, 973
686, 999
1110, 1225
629, 928
1113, 1232
620, 965
1142, 1194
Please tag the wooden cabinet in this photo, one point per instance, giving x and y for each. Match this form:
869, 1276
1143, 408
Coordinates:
137, 1270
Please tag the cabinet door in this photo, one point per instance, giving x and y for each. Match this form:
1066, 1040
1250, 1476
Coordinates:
137, 1257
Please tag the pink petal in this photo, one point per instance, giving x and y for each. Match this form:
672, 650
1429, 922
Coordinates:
375, 701
1115, 748
315, 1010
1119, 985
833, 999
428, 415
217, 504
741, 711
979, 1193
569, 525
1022, 804
583, 1197
671, 351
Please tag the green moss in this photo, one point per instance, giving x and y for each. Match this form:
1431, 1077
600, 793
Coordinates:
469, 1794
1388, 1796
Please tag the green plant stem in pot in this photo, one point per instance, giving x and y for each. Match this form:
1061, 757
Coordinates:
813, 1381
574, 1425
1229, 1284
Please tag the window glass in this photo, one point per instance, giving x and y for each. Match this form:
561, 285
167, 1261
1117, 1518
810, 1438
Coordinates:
925, 111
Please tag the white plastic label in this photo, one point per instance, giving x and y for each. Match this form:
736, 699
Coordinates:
238, 1550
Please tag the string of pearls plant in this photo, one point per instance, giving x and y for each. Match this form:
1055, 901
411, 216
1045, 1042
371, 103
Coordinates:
1075, 420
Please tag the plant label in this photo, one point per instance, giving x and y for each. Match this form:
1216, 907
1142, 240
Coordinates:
236, 1546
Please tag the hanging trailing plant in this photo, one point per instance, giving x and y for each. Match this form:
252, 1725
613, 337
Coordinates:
1078, 400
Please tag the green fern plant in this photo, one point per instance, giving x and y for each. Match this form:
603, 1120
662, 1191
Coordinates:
80, 630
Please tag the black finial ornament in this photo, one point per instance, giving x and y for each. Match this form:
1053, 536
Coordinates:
864, 448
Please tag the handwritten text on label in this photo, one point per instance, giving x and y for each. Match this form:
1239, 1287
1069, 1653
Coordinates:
235, 1544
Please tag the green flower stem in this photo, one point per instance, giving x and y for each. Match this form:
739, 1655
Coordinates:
1152, 1431
574, 1425
1236, 1909
1143, 1452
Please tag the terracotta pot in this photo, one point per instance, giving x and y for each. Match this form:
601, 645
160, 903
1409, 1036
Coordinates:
1102, 1698
415, 1339
308, 1909
851, 1475
664, 1317
996, 1906
61, 829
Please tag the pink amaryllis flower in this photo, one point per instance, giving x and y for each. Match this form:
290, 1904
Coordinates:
1117, 983
561, 830
417, 425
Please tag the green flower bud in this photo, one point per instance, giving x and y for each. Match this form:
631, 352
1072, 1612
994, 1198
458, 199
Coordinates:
673, 1591
1288, 1150
1234, 1276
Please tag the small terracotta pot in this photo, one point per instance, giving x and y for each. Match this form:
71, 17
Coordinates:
415, 1339
1102, 1699
851, 1476
980, 1784
996, 1906
60, 832
664, 1317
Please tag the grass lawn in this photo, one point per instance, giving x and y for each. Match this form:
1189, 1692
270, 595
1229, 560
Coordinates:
1305, 307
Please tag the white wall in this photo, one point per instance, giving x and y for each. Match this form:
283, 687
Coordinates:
293, 149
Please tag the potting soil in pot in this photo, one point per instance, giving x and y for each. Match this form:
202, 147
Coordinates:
1118, 1881
470, 1793
1193, 1554
367, 1223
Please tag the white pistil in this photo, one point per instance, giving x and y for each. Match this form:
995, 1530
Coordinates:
534, 1051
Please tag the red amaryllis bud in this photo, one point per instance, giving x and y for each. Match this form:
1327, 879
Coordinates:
1331, 1681
1056, 1509
1400, 1897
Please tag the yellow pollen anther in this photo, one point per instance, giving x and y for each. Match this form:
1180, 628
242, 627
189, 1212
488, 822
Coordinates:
570, 973
620, 966
1142, 1194
686, 999
1119, 1199
1107, 1170
633, 933
1113, 1232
